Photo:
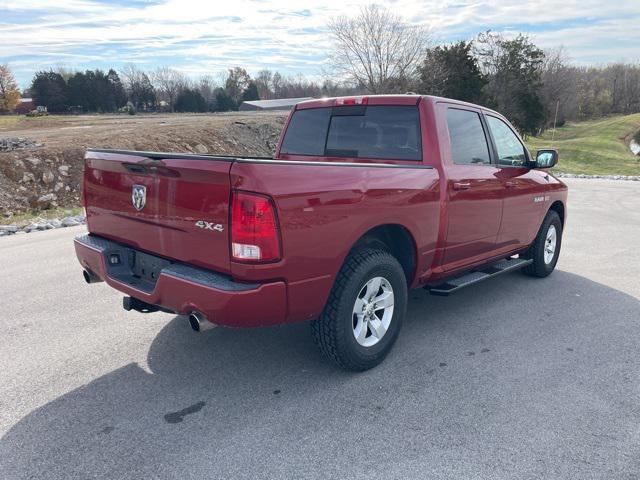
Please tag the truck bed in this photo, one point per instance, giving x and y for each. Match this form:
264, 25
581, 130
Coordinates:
322, 208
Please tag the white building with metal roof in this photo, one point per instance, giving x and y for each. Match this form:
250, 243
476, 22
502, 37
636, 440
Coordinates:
278, 104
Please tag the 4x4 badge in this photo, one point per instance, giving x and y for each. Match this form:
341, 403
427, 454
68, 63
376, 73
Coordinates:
210, 226
139, 196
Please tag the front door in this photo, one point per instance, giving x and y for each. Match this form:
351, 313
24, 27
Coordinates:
524, 189
474, 191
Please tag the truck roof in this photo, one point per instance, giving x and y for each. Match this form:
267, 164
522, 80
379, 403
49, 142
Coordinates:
389, 99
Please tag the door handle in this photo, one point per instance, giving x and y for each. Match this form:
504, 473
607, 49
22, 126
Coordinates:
461, 185
511, 184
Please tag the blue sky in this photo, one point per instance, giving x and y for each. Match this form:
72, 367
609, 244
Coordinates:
206, 37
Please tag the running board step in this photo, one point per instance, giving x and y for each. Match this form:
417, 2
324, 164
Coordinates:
458, 283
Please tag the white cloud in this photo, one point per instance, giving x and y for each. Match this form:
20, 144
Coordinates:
283, 34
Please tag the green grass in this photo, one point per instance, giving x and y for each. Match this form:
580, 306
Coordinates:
25, 218
21, 122
9, 120
594, 147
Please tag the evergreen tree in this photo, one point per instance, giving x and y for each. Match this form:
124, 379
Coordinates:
117, 97
251, 92
189, 100
224, 101
142, 93
514, 70
452, 71
79, 91
50, 89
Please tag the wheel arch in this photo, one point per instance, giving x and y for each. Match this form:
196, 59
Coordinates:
558, 207
395, 239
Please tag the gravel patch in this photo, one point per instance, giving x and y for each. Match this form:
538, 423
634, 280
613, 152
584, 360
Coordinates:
634, 178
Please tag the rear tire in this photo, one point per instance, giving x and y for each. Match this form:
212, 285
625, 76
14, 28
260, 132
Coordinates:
545, 249
364, 313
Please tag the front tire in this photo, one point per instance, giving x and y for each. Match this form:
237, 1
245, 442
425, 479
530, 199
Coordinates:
365, 310
545, 249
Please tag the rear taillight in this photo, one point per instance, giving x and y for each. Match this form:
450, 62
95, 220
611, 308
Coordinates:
254, 228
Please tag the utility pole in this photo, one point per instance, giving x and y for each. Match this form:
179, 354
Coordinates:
555, 119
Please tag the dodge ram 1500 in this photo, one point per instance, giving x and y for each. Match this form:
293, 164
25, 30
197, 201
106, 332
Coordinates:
365, 198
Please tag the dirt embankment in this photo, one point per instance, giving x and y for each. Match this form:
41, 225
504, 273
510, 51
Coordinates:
50, 175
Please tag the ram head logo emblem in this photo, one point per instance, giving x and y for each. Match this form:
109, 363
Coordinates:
139, 196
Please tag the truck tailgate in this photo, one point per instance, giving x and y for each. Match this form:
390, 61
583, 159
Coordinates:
174, 207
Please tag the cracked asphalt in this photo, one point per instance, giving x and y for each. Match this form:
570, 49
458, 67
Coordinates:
513, 378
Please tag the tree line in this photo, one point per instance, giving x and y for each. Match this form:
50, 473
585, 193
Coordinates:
167, 89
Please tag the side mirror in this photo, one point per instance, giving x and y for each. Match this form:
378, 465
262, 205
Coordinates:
546, 158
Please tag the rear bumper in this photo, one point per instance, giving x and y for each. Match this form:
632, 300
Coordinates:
184, 289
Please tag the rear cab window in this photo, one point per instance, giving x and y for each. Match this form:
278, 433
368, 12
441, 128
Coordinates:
385, 132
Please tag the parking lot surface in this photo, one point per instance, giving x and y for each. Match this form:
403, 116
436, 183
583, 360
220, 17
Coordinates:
513, 378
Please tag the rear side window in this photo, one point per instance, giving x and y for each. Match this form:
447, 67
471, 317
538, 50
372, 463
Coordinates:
380, 132
468, 141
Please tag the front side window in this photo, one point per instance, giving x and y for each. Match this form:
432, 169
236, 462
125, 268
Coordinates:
468, 141
510, 151
380, 131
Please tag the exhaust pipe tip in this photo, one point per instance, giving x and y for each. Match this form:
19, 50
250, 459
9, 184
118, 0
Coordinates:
200, 323
90, 277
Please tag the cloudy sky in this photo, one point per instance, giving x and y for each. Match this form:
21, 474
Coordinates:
205, 37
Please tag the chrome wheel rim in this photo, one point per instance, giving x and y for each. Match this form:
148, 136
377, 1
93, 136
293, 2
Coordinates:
550, 243
372, 311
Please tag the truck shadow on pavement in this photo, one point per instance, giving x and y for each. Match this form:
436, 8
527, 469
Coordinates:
514, 375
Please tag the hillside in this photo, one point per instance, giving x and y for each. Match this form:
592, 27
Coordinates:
594, 147
48, 174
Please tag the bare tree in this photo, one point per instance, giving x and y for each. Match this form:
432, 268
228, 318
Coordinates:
624, 83
168, 83
236, 82
207, 85
277, 84
377, 49
558, 91
130, 75
138, 86
263, 81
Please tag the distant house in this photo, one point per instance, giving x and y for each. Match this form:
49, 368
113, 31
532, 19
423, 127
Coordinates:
25, 106
278, 104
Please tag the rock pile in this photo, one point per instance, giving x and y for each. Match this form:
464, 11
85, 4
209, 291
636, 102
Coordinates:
42, 224
17, 143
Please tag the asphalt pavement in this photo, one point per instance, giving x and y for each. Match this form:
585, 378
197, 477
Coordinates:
513, 378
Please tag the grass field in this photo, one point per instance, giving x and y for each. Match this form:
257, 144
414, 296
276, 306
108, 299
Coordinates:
594, 147
21, 122
9, 120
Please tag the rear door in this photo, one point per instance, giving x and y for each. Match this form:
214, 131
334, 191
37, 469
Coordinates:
474, 189
177, 208
524, 189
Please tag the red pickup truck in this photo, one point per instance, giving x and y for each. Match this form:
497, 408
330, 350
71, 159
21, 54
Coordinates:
365, 198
